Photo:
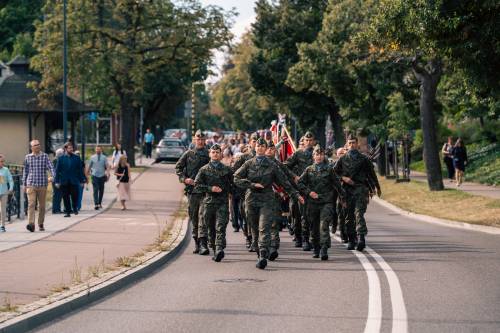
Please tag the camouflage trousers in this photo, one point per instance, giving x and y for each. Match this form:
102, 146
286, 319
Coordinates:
341, 215
213, 224
194, 203
260, 218
357, 202
321, 217
301, 226
276, 226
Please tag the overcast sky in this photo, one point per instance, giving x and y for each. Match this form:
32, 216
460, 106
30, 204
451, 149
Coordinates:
246, 16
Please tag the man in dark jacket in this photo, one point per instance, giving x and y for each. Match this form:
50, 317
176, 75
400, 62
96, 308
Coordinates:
69, 178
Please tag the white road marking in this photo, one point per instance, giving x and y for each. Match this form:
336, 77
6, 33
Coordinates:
374, 319
399, 315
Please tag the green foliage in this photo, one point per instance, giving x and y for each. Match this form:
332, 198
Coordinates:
401, 121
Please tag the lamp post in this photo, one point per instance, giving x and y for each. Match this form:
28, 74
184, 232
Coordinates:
65, 75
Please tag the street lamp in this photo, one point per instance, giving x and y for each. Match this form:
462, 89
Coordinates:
65, 75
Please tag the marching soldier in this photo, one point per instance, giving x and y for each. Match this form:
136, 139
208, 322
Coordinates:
297, 163
186, 169
240, 194
358, 176
257, 177
341, 211
321, 185
216, 180
278, 194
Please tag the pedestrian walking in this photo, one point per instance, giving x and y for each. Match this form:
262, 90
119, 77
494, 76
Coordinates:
358, 176
56, 192
80, 188
6, 188
459, 153
149, 140
215, 180
122, 174
186, 169
98, 168
257, 176
447, 151
35, 181
117, 153
70, 178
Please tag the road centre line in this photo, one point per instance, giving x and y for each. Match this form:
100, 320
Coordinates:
399, 314
374, 319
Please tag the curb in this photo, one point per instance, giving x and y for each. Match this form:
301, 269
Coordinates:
435, 220
31, 320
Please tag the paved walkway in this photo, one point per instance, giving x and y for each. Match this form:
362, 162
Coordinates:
46, 259
472, 188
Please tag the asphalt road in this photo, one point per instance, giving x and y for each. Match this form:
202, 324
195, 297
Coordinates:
414, 277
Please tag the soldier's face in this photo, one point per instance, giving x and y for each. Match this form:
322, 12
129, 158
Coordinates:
260, 150
199, 143
318, 158
308, 142
352, 144
270, 152
215, 155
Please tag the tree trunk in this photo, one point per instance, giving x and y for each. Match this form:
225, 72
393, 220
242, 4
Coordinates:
429, 78
128, 130
338, 127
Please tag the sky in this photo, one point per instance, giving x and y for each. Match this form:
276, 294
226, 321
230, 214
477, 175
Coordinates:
246, 17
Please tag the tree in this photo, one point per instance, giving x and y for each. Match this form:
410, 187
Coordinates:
116, 47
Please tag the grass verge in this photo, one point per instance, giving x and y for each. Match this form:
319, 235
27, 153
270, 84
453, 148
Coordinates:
449, 204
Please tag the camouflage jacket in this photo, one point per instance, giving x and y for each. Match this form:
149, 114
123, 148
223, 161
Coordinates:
322, 180
238, 163
266, 173
189, 165
209, 176
299, 161
359, 168
289, 175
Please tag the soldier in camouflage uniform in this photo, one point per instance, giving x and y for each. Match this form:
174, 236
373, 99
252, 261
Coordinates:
320, 183
341, 211
358, 175
297, 163
257, 177
239, 194
186, 169
216, 180
278, 195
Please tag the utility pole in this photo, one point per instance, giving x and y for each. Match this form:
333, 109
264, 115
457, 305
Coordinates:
65, 75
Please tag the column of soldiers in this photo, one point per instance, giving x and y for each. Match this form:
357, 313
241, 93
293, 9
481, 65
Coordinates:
323, 195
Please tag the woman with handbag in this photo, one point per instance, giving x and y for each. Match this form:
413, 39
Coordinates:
460, 160
122, 173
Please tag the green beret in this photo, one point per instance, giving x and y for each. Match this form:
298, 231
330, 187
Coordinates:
216, 147
309, 135
199, 134
261, 141
254, 136
318, 150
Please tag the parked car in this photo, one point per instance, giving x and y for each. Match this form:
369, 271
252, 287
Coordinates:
169, 149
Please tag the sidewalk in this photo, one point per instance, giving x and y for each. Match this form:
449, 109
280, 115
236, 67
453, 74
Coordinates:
472, 188
73, 245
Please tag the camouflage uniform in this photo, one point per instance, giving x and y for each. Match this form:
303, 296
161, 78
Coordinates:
215, 206
361, 171
297, 163
260, 204
187, 167
320, 178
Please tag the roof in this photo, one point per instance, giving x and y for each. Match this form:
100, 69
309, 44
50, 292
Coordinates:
16, 96
19, 61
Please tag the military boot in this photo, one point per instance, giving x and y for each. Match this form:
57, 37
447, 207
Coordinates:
248, 242
203, 247
273, 254
306, 246
324, 253
219, 254
351, 243
196, 245
262, 261
253, 248
343, 236
316, 252
361, 243
298, 241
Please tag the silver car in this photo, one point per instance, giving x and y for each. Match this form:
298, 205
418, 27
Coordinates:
169, 149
